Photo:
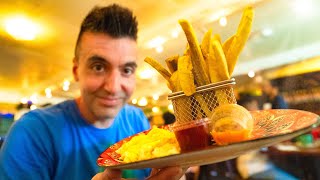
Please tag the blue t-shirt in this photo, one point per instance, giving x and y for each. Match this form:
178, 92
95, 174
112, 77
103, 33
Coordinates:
57, 143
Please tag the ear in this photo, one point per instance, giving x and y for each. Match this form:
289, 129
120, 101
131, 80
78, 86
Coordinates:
75, 69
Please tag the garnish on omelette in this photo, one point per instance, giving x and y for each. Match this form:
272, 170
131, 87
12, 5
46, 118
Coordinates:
157, 143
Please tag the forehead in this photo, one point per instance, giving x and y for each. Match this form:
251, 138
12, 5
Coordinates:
107, 47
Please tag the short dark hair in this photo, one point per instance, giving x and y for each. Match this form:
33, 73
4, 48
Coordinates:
114, 20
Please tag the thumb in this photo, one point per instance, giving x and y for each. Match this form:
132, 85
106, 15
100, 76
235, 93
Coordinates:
108, 174
167, 173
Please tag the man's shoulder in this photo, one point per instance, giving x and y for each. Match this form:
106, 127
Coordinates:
52, 113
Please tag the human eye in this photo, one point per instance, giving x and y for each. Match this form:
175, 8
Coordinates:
128, 70
98, 67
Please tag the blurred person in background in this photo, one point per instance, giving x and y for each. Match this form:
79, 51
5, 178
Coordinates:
63, 141
273, 98
168, 118
256, 165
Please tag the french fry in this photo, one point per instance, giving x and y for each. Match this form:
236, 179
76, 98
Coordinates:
226, 45
205, 48
221, 61
212, 67
172, 63
175, 82
206, 44
222, 71
165, 73
240, 38
197, 60
187, 50
161, 70
185, 75
216, 37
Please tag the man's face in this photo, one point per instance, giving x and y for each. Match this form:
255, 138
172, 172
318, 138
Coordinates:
105, 70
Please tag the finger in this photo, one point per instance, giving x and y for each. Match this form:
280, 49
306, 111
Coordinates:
170, 173
154, 171
108, 174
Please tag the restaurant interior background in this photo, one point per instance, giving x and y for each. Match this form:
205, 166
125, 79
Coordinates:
37, 39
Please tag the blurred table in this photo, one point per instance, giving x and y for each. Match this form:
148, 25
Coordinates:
302, 161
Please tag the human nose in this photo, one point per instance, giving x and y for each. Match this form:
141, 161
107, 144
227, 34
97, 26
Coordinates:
112, 82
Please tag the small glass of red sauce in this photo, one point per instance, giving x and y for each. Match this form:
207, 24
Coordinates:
193, 135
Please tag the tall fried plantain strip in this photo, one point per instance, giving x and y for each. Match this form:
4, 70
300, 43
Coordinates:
206, 43
213, 68
172, 63
226, 46
156, 65
175, 82
221, 61
223, 73
216, 37
197, 60
240, 38
185, 75
205, 48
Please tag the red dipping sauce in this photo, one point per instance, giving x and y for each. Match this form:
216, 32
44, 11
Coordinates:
193, 135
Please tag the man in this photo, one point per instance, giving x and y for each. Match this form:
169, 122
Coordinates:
63, 141
272, 96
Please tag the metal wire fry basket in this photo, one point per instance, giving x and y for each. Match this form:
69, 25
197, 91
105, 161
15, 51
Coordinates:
201, 104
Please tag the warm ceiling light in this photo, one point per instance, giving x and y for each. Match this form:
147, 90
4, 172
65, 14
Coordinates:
143, 101
170, 107
24, 100
34, 98
66, 83
155, 109
156, 42
303, 7
49, 95
223, 21
65, 88
155, 97
32, 107
21, 28
251, 74
47, 91
134, 101
159, 49
175, 33
267, 32
146, 74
